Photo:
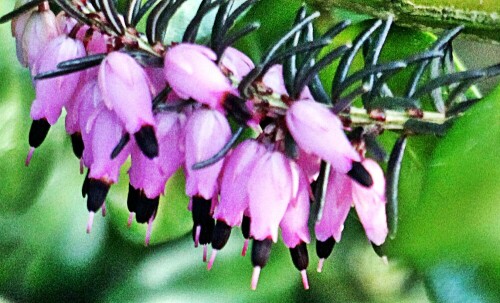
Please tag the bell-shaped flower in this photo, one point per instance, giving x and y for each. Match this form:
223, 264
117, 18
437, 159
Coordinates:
270, 189
318, 131
293, 226
370, 203
338, 202
40, 29
125, 90
206, 133
236, 62
191, 71
342, 193
49, 104
233, 196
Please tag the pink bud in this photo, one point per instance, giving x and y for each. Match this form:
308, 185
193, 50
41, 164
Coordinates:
206, 132
236, 62
49, 104
274, 80
40, 29
370, 203
270, 190
192, 73
318, 131
233, 195
125, 90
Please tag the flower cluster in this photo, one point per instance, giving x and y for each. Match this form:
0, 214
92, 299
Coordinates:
184, 106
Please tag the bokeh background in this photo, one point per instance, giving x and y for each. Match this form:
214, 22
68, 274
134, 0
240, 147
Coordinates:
447, 250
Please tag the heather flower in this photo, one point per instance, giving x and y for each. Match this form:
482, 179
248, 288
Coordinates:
206, 132
18, 25
125, 90
40, 29
106, 132
318, 131
271, 186
274, 80
294, 229
342, 193
233, 202
191, 71
149, 176
236, 62
47, 105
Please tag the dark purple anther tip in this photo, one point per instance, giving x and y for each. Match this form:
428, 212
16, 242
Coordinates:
146, 140
38, 132
221, 235
97, 191
300, 256
77, 144
359, 174
324, 249
261, 250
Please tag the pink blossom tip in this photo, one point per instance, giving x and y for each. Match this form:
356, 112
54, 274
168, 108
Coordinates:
212, 259
305, 281
245, 248
197, 236
130, 220
320, 264
29, 156
90, 222
149, 231
255, 277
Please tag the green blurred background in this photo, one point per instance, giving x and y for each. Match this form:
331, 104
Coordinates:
447, 250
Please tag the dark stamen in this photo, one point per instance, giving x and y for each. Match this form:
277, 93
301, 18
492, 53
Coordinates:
359, 174
324, 249
77, 144
300, 256
261, 250
146, 140
97, 191
245, 227
38, 132
221, 235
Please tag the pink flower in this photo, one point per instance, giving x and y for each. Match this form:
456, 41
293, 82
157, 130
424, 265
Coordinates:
48, 103
318, 131
234, 184
270, 190
274, 80
294, 223
192, 73
206, 132
370, 202
40, 29
236, 62
125, 89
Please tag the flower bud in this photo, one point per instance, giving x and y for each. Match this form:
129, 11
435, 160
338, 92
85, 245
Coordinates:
192, 73
40, 29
